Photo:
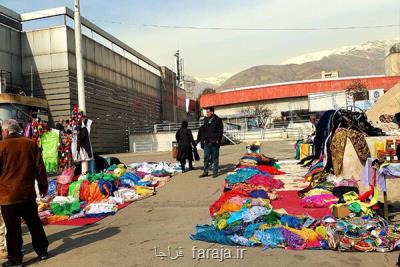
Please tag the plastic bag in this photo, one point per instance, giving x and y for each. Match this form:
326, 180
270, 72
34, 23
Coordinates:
66, 176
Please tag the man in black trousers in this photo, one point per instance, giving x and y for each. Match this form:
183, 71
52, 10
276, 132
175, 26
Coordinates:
21, 164
213, 131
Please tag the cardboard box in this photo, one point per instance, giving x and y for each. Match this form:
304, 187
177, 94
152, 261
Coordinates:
340, 211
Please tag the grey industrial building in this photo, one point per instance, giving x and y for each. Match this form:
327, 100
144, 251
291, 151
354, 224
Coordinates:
125, 90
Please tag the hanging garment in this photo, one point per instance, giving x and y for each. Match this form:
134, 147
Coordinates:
338, 147
84, 144
304, 151
28, 130
297, 147
49, 144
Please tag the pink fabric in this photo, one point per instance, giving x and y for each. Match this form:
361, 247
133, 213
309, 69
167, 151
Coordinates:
141, 174
319, 201
265, 181
347, 182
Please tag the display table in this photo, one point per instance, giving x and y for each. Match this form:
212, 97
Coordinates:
384, 172
351, 163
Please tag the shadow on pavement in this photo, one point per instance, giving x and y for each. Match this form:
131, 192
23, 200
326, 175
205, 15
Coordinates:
85, 237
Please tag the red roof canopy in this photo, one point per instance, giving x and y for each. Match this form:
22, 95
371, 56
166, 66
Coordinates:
293, 89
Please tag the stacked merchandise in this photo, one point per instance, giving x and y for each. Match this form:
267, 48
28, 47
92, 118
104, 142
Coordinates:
243, 215
334, 129
101, 194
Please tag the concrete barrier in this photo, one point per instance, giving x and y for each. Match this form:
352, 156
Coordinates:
163, 141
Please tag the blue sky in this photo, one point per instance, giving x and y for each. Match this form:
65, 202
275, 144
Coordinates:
210, 53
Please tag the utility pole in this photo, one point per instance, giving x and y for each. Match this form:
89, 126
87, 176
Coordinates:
178, 68
79, 70
78, 55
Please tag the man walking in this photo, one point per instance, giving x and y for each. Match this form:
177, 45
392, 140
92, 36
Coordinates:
20, 165
213, 130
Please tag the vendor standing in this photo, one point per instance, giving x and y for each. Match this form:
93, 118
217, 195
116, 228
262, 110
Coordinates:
20, 165
213, 131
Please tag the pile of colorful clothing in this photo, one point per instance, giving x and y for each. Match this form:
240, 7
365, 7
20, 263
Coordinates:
244, 215
100, 194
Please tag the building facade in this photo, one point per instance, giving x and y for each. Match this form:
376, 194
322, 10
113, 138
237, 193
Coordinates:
285, 99
124, 90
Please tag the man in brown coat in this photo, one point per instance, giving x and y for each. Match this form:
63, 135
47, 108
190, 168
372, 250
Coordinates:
21, 164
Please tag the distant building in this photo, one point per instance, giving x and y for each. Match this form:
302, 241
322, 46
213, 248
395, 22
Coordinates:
290, 100
329, 74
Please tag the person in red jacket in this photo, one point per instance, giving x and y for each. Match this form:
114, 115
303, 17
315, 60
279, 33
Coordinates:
21, 164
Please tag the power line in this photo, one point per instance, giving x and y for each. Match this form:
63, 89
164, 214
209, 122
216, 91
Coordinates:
250, 29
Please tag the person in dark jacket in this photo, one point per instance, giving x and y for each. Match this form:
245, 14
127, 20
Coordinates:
185, 140
200, 136
21, 164
201, 140
213, 131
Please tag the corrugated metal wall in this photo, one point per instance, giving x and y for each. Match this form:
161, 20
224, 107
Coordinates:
10, 53
120, 94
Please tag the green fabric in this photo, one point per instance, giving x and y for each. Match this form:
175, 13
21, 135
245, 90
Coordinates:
74, 188
65, 209
276, 165
98, 176
355, 207
49, 145
273, 218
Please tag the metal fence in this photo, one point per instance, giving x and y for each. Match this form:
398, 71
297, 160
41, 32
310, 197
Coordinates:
151, 146
195, 125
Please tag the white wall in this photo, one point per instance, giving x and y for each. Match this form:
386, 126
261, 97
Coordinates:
276, 105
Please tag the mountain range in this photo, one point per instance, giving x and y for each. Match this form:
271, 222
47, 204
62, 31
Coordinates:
357, 60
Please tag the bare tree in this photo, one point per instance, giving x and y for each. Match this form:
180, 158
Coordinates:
358, 89
261, 113
207, 91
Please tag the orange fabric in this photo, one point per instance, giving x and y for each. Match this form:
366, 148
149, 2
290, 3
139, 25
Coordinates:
90, 192
56, 218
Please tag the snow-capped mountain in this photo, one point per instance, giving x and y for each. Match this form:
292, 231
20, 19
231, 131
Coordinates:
218, 80
363, 50
357, 60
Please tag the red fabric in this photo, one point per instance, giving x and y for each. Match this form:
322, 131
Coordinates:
270, 170
370, 192
62, 190
85, 221
290, 201
216, 206
265, 181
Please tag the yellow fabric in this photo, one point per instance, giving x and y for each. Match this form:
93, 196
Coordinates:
304, 151
264, 226
143, 190
350, 196
221, 224
306, 162
379, 145
321, 230
305, 233
316, 191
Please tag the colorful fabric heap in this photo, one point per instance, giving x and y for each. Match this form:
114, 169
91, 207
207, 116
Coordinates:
244, 216
101, 194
